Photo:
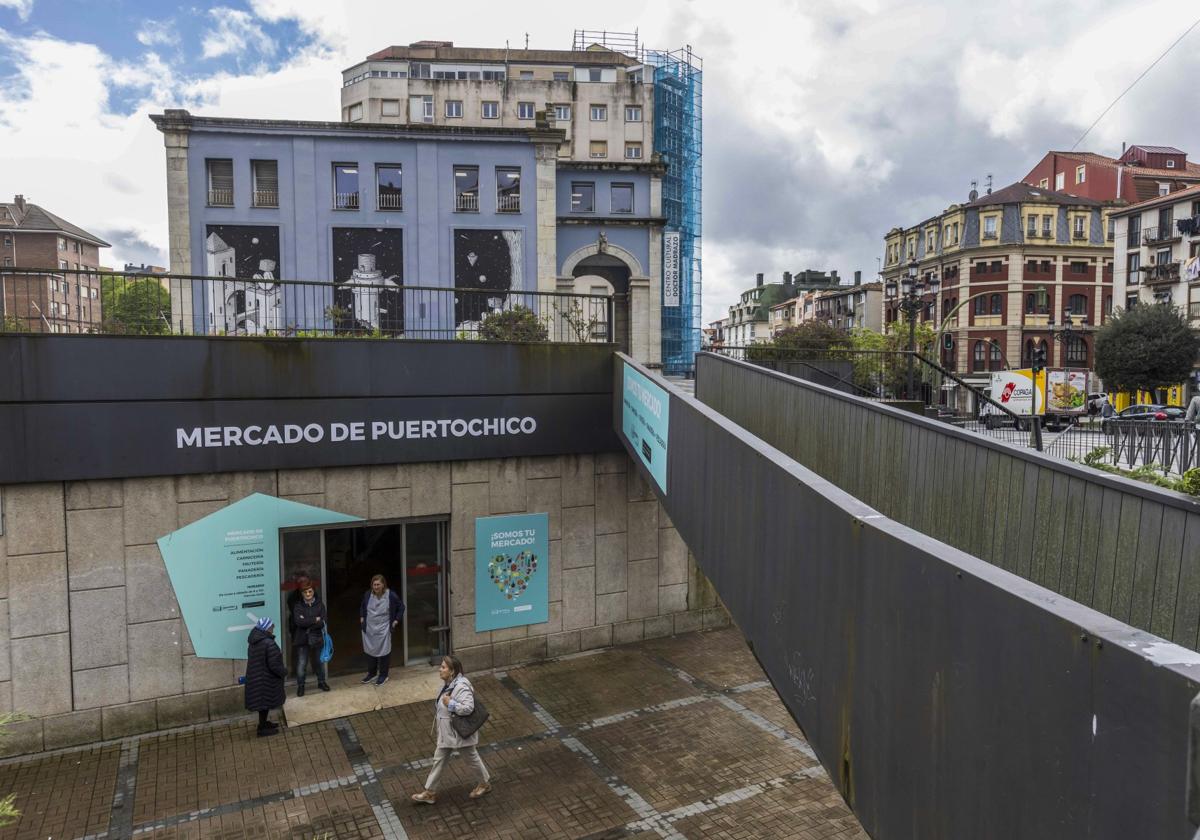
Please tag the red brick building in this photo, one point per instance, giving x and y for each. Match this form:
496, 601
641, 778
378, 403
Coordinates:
1140, 173
57, 300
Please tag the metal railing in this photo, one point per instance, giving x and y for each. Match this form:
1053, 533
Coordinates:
508, 203
345, 201
1168, 273
220, 198
1194, 311
1167, 446
118, 303
390, 201
1153, 235
466, 202
266, 198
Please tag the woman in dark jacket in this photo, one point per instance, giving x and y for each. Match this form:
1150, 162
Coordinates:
264, 675
310, 618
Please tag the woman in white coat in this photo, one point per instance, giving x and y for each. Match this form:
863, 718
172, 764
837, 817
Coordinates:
457, 697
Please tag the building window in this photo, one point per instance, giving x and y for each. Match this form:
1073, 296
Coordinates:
599, 113
1060, 181
930, 241
8, 260
1135, 231
420, 109
1170, 163
562, 113
220, 184
265, 176
466, 189
956, 233
345, 186
420, 70
489, 110
583, 197
598, 149
1164, 189
63, 265
977, 356
1163, 257
1044, 183
1078, 304
1133, 265
997, 304
621, 198
633, 151
1047, 226
1131, 300
454, 109
1108, 304
1076, 350
980, 305
389, 107
389, 188
633, 113
995, 354
1112, 228
524, 110
1031, 226
594, 74
989, 227
1079, 222
1080, 174
526, 75
561, 76
7, 241
1079, 268
508, 189
355, 112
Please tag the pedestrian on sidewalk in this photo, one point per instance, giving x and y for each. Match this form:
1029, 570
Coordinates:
1193, 410
379, 616
265, 671
457, 697
310, 618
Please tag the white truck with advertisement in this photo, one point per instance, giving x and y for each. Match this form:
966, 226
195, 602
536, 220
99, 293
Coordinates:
1061, 395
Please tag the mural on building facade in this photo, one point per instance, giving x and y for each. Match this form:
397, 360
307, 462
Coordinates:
368, 272
486, 259
250, 302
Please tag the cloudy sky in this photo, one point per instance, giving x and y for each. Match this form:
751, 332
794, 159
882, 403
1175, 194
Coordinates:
825, 124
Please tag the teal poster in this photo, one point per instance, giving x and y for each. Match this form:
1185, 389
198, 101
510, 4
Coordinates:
512, 570
224, 569
645, 419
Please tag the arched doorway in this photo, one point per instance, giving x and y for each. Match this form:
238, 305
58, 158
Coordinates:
605, 274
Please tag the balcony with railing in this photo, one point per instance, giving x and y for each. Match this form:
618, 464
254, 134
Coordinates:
220, 198
1157, 235
1079, 235
1163, 273
466, 202
390, 201
508, 203
345, 201
266, 198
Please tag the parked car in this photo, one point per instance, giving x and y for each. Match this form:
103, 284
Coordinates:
1145, 411
1095, 403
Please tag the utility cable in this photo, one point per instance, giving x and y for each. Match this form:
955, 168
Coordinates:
1134, 82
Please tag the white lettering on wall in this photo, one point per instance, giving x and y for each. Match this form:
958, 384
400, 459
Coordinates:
217, 437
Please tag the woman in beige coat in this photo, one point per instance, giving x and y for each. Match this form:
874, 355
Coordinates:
457, 697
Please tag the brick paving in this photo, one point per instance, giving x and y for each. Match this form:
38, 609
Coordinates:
674, 738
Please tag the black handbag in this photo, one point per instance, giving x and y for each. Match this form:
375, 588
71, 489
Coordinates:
468, 725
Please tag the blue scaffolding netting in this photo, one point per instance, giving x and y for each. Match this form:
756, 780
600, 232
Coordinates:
678, 138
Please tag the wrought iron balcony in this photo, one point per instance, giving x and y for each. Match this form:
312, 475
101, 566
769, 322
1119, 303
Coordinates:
1165, 273
1155, 235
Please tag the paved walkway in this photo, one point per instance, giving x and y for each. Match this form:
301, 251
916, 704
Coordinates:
671, 738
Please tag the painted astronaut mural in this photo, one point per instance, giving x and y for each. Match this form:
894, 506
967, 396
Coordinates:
250, 301
491, 260
368, 275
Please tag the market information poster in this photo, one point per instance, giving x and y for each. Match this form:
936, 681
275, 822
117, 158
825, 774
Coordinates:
645, 419
512, 570
224, 569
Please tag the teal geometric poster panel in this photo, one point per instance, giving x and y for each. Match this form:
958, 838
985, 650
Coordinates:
512, 570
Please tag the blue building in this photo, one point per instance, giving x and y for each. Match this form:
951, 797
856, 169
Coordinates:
359, 218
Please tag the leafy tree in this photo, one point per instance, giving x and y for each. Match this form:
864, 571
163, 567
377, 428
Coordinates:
1146, 347
517, 324
140, 306
809, 340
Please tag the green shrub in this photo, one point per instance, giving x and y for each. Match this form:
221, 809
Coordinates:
517, 324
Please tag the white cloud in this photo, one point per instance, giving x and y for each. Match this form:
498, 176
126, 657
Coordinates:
23, 7
238, 34
155, 33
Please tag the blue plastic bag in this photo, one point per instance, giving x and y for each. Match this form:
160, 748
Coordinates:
327, 647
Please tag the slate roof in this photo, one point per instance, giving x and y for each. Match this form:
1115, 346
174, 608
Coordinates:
1020, 192
36, 218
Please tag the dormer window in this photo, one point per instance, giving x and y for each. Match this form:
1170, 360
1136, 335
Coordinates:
1170, 163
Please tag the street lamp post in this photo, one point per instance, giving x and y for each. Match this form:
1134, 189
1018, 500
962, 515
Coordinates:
907, 296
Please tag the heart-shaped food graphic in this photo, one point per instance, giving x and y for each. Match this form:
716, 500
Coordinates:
511, 574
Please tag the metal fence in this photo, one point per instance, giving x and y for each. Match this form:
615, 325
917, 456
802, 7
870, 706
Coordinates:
120, 303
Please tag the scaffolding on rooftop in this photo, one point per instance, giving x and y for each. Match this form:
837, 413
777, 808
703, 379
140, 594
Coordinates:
678, 77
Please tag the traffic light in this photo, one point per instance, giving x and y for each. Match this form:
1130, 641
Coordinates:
1039, 359
948, 342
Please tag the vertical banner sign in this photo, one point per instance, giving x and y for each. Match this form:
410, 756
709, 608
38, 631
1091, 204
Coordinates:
671, 268
512, 570
224, 569
645, 419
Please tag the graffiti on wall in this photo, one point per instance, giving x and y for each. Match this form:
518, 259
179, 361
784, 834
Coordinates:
247, 299
489, 260
368, 273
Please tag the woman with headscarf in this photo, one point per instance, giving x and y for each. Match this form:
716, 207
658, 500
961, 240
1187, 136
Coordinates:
379, 615
264, 675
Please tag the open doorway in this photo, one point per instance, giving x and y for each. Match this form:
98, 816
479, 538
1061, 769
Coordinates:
341, 561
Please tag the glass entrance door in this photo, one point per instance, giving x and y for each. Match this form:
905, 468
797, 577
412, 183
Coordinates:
424, 583
301, 556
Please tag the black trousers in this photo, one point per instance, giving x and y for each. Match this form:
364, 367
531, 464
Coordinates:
378, 665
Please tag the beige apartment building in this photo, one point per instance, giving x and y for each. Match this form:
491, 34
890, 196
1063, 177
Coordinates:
601, 98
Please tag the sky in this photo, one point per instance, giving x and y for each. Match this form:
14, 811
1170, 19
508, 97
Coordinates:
825, 124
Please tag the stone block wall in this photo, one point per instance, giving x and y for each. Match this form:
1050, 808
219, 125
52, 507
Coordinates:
92, 643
